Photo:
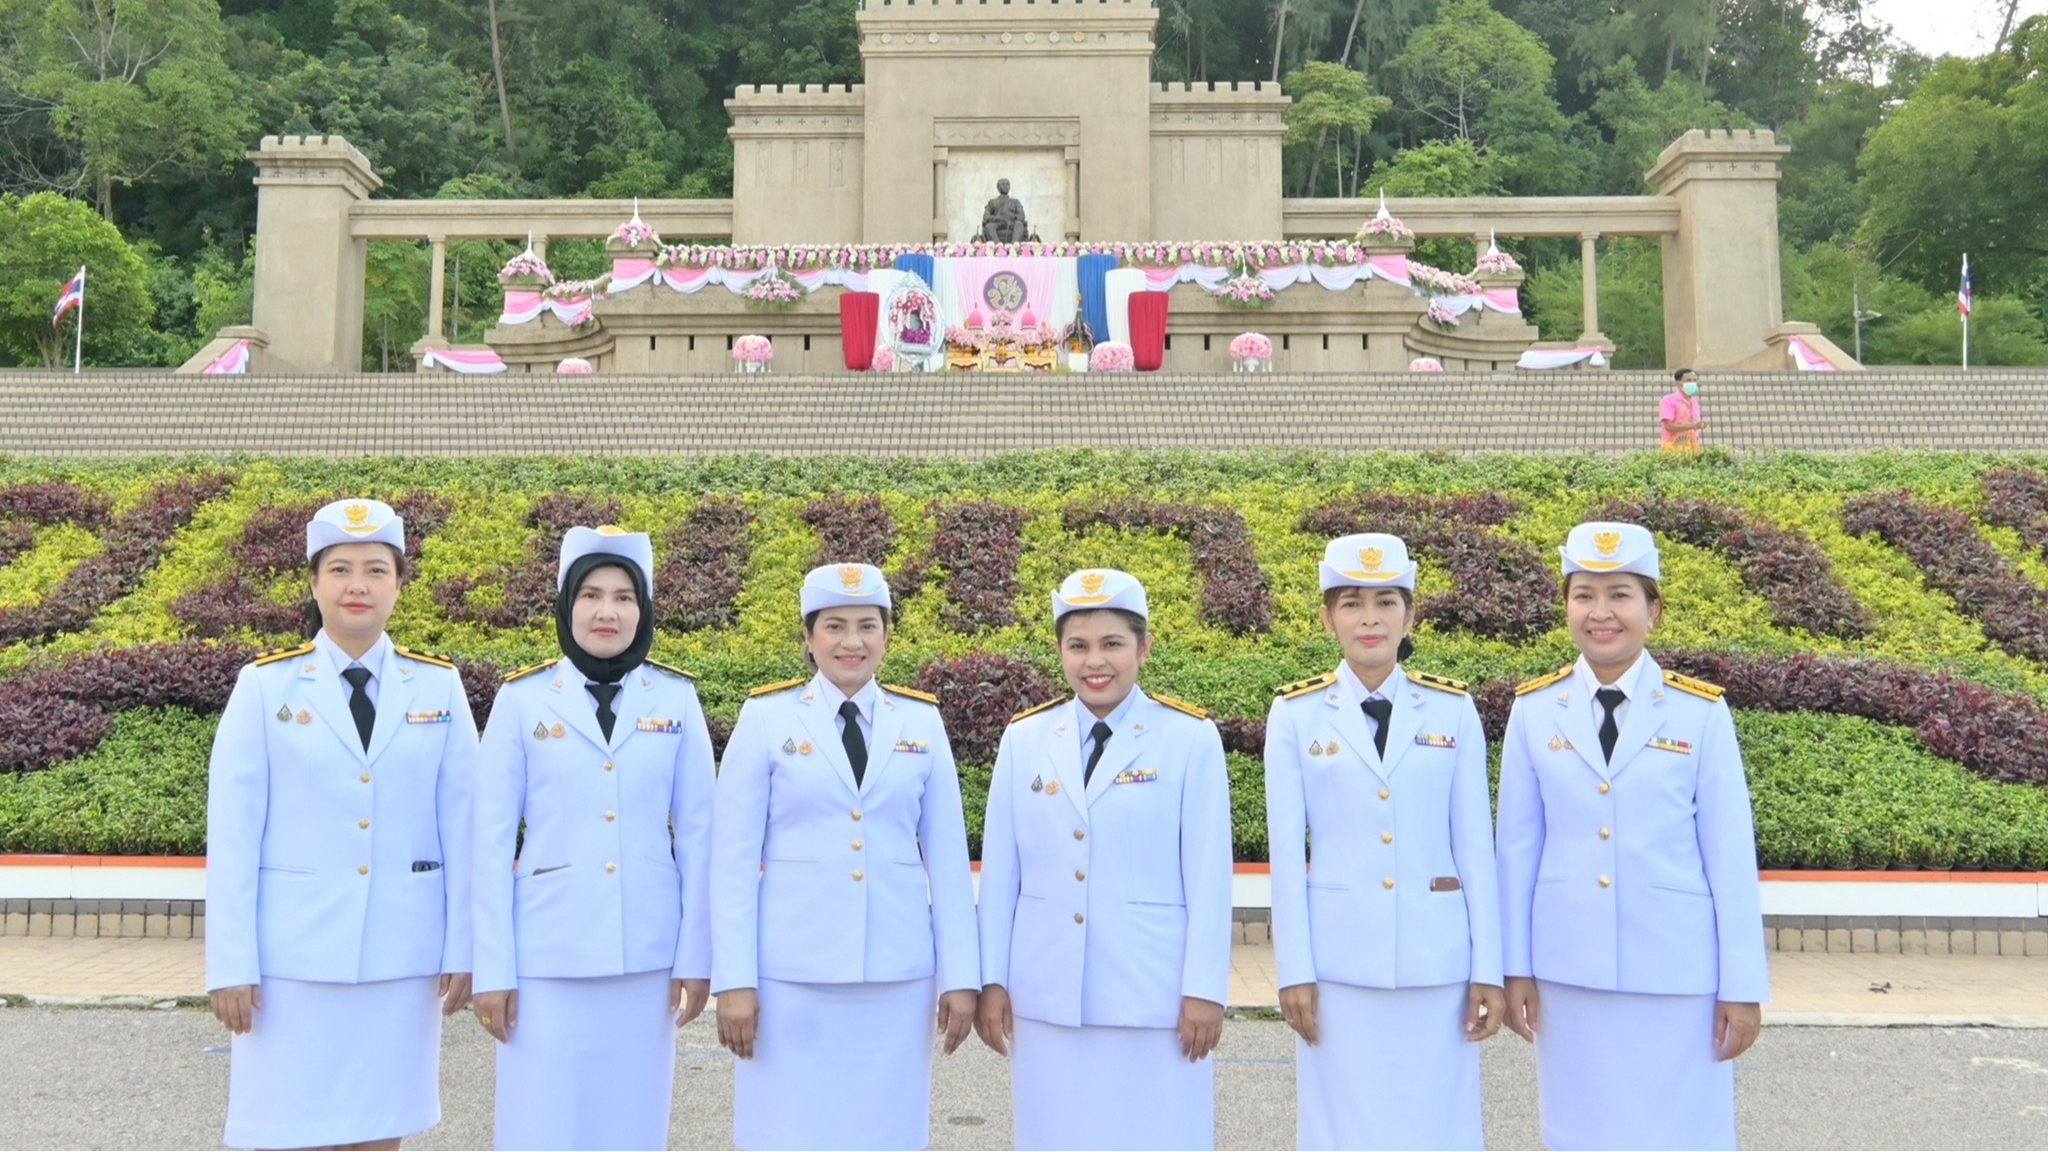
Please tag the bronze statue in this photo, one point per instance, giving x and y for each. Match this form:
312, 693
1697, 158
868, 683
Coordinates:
1002, 219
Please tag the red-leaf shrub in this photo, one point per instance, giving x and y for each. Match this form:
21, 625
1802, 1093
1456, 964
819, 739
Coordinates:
1954, 558
53, 712
1784, 567
976, 548
859, 530
1499, 587
129, 547
978, 693
1234, 594
51, 502
527, 588
702, 564
2017, 498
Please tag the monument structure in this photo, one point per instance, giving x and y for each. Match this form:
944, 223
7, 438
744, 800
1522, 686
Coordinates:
1051, 103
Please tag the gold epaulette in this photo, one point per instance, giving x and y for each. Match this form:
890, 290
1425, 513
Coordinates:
276, 654
913, 693
1304, 687
1035, 709
436, 658
1195, 710
1528, 686
529, 670
1440, 683
1698, 688
672, 670
778, 686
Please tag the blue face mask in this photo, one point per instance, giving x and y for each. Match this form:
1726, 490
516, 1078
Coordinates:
1691, 387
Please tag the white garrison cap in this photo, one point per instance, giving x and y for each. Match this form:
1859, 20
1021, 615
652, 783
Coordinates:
1368, 560
845, 586
1092, 588
354, 522
579, 542
1600, 546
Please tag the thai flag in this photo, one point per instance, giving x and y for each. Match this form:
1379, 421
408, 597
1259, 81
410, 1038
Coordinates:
74, 296
1963, 293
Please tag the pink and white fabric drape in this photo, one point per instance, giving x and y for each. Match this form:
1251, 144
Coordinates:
524, 305
1806, 359
468, 361
1502, 300
233, 362
1541, 359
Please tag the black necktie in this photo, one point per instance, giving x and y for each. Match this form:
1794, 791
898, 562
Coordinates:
1379, 708
605, 694
856, 748
1610, 699
1101, 734
359, 705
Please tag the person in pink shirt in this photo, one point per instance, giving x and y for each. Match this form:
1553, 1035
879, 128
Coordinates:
1679, 413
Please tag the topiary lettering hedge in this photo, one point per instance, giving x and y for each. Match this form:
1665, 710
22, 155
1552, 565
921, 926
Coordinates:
1877, 619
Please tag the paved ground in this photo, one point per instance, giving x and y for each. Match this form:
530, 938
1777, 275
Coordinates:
972, 415
109, 1078
1807, 987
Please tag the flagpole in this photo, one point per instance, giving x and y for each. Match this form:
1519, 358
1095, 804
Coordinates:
1971, 307
78, 337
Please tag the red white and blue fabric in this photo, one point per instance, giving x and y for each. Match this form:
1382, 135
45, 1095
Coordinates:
73, 294
1964, 296
233, 362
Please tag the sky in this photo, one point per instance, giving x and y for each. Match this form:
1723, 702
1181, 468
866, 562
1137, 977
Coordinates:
1952, 27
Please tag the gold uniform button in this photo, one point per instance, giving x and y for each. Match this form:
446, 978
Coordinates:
1386, 837
366, 777
1387, 883
611, 815
855, 813
611, 867
607, 765
856, 845
859, 875
1604, 833
1384, 793
362, 869
1078, 918
1079, 874
362, 823
1079, 834
1604, 882
1603, 786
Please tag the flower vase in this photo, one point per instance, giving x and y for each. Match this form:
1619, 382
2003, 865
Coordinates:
1386, 245
1254, 364
754, 366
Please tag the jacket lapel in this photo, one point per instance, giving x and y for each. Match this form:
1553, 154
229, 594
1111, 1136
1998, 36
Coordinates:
1645, 716
1124, 747
823, 725
1405, 722
573, 705
1065, 755
394, 700
329, 700
1575, 724
888, 727
636, 693
1350, 722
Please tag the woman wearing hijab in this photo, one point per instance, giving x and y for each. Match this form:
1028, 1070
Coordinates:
337, 861
842, 903
593, 936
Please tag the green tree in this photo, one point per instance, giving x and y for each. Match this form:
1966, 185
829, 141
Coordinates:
123, 91
1330, 118
1454, 66
44, 237
1640, 121
1631, 274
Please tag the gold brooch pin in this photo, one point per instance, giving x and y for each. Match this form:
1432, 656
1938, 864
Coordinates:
803, 748
540, 730
1052, 787
1038, 783
304, 717
1316, 749
788, 746
1331, 748
556, 729
284, 714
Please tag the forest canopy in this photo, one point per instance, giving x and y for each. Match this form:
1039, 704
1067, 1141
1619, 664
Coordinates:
137, 113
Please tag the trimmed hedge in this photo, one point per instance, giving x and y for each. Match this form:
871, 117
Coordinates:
140, 576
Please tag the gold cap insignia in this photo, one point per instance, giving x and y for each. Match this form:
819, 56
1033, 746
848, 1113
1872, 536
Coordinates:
849, 575
1369, 559
610, 530
358, 516
1607, 542
1091, 582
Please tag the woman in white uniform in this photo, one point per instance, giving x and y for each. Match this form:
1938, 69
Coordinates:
1632, 926
337, 870
598, 945
1105, 894
1389, 951
842, 903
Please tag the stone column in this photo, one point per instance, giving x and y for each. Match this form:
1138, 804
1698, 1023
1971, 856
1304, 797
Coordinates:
1071, 227
1722, 298
309, 267
1481, 241
1589, 288
939, 205
437, 283
540, 245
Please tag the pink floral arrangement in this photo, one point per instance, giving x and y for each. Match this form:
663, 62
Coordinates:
636, 232
961, 337
753, 350
1389, 227
526, 264
1251, 346
1440, 313
1440, 282
574, 366
1496, 263
578, 289
885, 360
1245, 291
1425, 364
774, 291
1110, 356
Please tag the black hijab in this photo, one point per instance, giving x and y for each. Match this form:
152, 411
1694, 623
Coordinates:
608, 670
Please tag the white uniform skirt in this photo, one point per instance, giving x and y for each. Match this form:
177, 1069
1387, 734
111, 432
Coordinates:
1628, 1070
1100, 1087
1393, 1070
327, 1064
592, 1064
838, 1066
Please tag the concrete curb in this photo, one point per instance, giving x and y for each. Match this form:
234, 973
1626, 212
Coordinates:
1905, 1019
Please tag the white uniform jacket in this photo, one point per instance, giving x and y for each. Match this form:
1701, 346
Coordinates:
1635, 876
1105, 905
602, 885
1402, 893
325, 862
815, 881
